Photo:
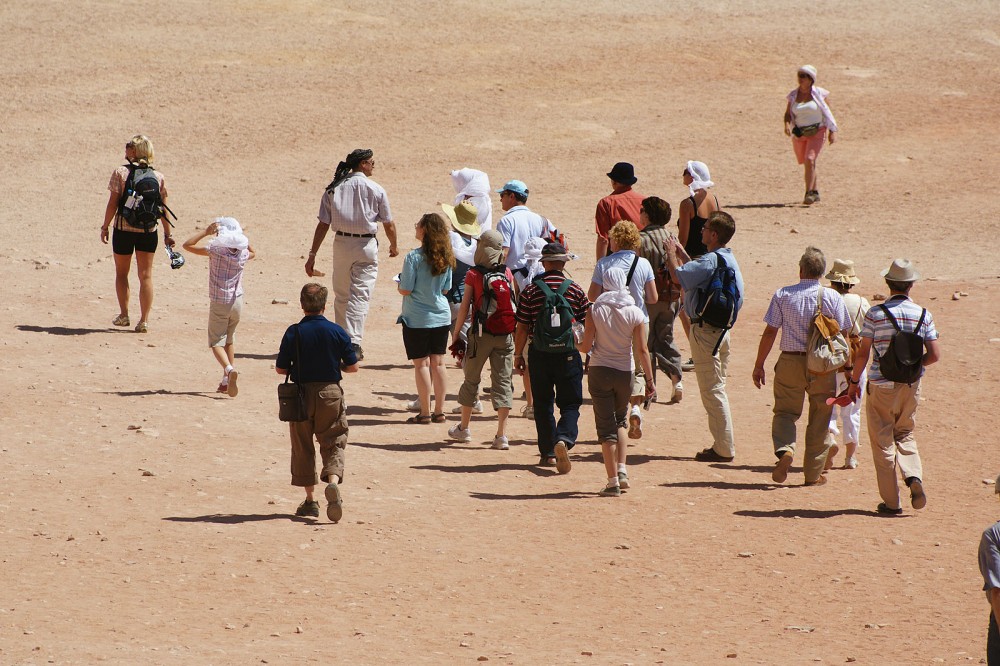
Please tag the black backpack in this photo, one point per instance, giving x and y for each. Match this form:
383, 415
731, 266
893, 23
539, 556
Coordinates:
902, 360
719, 301
140, 204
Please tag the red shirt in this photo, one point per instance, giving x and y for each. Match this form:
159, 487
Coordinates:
618, 206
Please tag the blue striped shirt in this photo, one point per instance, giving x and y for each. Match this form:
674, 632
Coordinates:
878, 328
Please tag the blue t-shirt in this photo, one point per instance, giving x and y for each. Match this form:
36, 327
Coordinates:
697, 273
323, 346
640, 278
426, 306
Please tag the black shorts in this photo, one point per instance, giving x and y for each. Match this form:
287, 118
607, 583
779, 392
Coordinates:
423, 342
127, 242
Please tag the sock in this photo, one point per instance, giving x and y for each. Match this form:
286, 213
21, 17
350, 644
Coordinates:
621, 468
228, 368
612, 481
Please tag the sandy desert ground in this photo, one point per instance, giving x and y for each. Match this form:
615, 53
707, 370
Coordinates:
146, 519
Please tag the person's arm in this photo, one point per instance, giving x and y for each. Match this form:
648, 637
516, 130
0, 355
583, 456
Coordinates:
191, 244
594, 291
995, 602
589, 333
168, 238
390, 233
407, 277
317, 242
349, 368
601, 250
684, 214
933, 353
639, 335
109, 215
281, 371
652, 295
831, 133
463, 312
504, 251
676, 256
251, 251
788, 119
763, 349
520, 340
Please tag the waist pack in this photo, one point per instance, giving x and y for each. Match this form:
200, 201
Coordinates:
553, 331
903, 359
495, 313
827, 350
808, 130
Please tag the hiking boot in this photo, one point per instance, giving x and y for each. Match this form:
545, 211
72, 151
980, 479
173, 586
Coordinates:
709, 455
611, 491
308, 509
233, 388
477, 408
918, 499
459, 434
563, 464
809, 199
500, 443
528, 412
623, 480
780, 472
335, 505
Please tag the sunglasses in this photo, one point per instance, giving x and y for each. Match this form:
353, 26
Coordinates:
804, 76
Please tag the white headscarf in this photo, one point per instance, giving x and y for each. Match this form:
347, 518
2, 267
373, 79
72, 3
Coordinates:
533, 258
230, 234
474, 185
616, 293
701, 179
465, 251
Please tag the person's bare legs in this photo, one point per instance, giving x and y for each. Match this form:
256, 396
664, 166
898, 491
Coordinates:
224, 355
527, 389
610, 459
123, 263
502, 415
422, 376
144, 264
810, 175
439, 377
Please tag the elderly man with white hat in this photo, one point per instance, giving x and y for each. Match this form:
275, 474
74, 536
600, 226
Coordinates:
843, 279
892, 405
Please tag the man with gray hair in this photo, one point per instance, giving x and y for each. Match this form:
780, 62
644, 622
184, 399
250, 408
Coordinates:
352, 206
792, 310
893, 389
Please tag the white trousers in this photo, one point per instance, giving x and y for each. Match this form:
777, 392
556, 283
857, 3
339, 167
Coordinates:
355, 268
850, 416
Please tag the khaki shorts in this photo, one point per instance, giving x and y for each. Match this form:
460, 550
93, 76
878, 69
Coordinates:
222, 321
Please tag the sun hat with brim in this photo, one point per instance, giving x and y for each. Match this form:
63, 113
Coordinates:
809, 71
464, 217
515, 186
842, 272
623, 173
901, 270
555, 252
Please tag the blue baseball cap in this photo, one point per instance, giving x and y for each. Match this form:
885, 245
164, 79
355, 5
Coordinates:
515, 186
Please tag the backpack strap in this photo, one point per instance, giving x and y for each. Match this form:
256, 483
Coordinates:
819, 300
920, 322
895, 324
631, 270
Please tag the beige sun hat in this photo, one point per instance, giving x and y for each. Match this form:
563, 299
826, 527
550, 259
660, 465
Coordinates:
464, 217
843, 272
901, 270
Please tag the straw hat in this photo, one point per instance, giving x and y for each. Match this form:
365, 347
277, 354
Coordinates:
843, 272
464, 217
901, 270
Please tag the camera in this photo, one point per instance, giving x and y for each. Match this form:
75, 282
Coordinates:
176, 258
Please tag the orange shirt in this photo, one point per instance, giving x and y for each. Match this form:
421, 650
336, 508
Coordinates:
618, 206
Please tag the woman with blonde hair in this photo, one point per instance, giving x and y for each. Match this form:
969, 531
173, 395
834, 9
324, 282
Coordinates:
128, 237
426, 316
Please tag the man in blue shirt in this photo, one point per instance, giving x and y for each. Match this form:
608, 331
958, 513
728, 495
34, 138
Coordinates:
709, 367
316, 351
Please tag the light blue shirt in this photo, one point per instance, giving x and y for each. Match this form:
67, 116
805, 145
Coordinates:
697, 273
642, 276
426, 306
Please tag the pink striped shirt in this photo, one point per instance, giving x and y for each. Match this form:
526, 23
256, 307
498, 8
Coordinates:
225, 273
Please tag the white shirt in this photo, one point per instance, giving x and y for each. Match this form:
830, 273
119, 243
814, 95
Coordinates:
613, 342
355, 206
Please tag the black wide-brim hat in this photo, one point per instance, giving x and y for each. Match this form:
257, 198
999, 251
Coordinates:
623, 173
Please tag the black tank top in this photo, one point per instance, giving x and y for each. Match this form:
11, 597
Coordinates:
694, 247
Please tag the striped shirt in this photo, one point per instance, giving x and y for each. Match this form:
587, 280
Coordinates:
529, 304
225, 273
880, 330
355, 206
793, 308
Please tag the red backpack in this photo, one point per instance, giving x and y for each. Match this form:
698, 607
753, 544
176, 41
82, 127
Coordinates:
495, 313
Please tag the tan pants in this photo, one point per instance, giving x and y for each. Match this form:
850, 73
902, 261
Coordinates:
499, 351
711, 373
355, 268
891, 411
327, 422
792, 384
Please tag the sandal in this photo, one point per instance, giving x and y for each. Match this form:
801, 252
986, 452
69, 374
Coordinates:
422, 419
142, 327
121, 320
438, 418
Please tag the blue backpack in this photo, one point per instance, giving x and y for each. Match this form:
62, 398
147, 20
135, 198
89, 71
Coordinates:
719, 300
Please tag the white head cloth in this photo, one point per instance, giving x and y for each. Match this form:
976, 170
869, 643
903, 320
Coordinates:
701, 178
616, 293
230, 234
464, 252
533, 258
475, 186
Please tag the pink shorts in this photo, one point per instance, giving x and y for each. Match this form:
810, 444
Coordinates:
809, 147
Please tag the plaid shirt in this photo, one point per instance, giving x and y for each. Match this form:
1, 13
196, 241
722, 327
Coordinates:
355, 206
878, 327
793, 308
225, 273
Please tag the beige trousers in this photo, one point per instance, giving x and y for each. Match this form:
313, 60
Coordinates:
355, 268
792, 384
711, 373
891, 411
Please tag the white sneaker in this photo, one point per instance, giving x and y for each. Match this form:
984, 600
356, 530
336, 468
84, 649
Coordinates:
635, 423
528, 412
413, 406
500, 442
851, 463
459, 434
476, 408
623, 480
678, 393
